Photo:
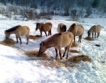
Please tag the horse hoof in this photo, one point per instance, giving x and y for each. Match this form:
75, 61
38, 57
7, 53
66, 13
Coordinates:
66, 57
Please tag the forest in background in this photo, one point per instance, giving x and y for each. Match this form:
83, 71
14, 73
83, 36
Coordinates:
73, 8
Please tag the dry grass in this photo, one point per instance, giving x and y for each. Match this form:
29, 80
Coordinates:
74, 44
89, 38
34, 37
8, 42
34, 53
74, 51
76, 59
54, 63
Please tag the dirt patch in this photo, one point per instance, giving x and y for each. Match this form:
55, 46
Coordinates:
54, 63
74, 51
8, 42
34, 37
34, 53
89, 38
76, 59
74, 44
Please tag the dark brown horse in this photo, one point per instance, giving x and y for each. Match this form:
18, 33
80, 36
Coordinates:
57, 41
61, 28
94, 29
44, 28
18, 31
77, 30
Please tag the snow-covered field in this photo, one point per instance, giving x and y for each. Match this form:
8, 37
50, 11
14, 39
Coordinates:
15, 66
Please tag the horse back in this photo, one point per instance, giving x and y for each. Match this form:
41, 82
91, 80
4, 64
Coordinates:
22, 30
98, 29
49, 23
66, 39
46, 27
76, 29
80, 29
13, 28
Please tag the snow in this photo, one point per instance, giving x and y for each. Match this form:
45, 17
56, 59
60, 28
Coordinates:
16, 67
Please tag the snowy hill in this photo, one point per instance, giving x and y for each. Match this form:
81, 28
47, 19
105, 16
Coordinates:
16, 67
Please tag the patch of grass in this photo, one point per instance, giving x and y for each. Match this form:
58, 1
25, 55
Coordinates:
74, 51
74, 44
76, 59
54, 63
8, 42
89, 38
34, 37
34, 53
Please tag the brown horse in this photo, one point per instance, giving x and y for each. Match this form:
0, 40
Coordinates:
44, 28
57, 41
61, 28
94, 29
77, 30
18, 31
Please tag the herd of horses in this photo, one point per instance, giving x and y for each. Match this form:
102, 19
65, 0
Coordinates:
63, 39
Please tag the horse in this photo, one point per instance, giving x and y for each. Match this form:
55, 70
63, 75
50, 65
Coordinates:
61, 28
44, 28
77, 30
18, 31
94, 29
57, 41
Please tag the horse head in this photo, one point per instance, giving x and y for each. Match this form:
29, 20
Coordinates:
42, 48
37, 26
7, 34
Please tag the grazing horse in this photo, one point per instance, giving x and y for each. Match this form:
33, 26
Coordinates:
44, 28
18, 31
94, 29
77, 30
57, 41
61, 28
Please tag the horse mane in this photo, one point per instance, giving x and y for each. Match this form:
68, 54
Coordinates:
73, 25
13, 28
64, 28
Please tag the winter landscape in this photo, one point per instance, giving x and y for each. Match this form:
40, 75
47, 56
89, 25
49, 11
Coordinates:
17, 67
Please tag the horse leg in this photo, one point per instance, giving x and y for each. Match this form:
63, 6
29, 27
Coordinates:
60, 52
80, 38
16, 39
74, 38
45, 33
98, 34
56, 53
49, 33
41, 33
20, 40
64, 51
67, 52
27, 37
95, 34
92, 34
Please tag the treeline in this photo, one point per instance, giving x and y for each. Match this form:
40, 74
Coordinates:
82, 8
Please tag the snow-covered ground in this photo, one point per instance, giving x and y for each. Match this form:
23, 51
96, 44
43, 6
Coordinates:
16, 67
